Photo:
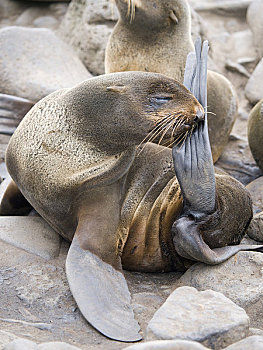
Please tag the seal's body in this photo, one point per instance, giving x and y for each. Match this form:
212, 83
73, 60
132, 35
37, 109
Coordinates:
74, 159
156, 37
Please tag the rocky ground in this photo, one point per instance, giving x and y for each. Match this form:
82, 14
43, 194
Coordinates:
36, 303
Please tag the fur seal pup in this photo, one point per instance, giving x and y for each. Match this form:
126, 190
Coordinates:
155, 36
255, 133
73, 158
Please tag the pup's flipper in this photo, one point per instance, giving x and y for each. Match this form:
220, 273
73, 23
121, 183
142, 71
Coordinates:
94, 269
12, 111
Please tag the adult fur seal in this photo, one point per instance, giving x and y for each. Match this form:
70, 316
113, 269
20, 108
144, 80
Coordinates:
73, 158
155, 36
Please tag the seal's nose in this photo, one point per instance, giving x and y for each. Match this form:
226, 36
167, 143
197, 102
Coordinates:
200, 115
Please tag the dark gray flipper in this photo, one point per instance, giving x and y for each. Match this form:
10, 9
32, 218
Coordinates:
193, 160
195, 172
94, 268
102, 294
12, 111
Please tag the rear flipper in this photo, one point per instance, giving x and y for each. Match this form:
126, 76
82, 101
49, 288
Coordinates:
12, 111
94, 269
215, 213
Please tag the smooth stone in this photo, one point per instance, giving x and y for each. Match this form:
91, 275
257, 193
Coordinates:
255, 188
239, 278
56, 346
37, 63
255, 132
29, 15
240, 44
230, 7
207, 317
21, 344
255, 22
254, 87
87, 26
254, 342
255, 228
167, 345
45, 22
31, 234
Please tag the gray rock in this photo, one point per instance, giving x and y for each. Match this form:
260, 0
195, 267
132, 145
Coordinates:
230, 7
32, 234
21, 344
255, 228
255, 331
56, 346
45, 22
167, 345
37, 63
254, 87
239, 279
256, 190
255, 22
87, 27
207, 317
251, 343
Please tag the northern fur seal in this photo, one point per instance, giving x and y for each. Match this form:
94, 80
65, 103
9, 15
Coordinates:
155, 36
255, 133
121, 209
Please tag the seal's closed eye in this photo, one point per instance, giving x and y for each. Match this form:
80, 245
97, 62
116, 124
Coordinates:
160, 100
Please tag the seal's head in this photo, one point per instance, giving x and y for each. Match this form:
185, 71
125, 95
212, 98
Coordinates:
142, 105
153, 14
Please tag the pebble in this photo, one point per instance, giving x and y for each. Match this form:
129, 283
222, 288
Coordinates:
46, 22
239, 278
255, 22
37, 63
251, 343
255, 189
21, 344
167, 345
255, 228
208, 317
254, 87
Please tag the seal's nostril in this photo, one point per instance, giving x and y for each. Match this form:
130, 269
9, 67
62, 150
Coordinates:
199, 115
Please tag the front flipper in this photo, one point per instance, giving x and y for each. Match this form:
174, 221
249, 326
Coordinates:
195, 172
94, 269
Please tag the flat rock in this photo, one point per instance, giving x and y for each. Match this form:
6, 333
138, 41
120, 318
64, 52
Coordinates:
254, 87
37, 63
255, 188
21, 344
207, 317
167, 345
254, 342
239, 278
255, 22
32, 234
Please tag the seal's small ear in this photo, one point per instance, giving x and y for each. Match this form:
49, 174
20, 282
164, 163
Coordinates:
173, 16
117, 88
